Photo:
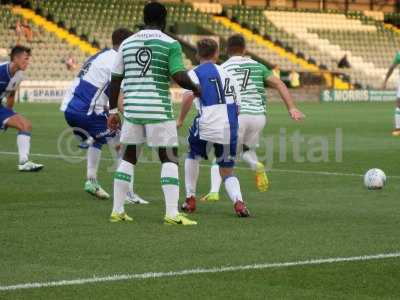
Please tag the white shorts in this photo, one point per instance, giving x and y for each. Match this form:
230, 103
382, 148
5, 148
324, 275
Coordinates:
162, 134
398, 91
250, 129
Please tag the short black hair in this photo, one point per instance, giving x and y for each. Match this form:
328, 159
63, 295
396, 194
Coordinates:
235, 43
18, 50
206, 48
119, 35
155, 13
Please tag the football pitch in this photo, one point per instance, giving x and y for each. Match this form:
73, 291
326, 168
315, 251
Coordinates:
316, 234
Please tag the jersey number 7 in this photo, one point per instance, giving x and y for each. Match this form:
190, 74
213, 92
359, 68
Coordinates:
246, 72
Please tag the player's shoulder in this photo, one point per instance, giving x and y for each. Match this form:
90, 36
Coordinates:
147, 34
4, 66
221, 69
105, 54
103, 59
19, 75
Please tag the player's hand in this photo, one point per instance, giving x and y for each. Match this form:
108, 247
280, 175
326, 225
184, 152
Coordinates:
197, 93
296, 114
113, 122
179, 123
384, 85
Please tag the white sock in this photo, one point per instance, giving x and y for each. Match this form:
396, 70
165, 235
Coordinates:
216, 179
119, 160
191, 175
250, 157
93, 161
24, 145
170, 187
232, 186
123, 178
397, 118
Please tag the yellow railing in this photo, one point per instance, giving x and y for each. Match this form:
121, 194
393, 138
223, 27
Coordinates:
54, 28
391, 27
337, 82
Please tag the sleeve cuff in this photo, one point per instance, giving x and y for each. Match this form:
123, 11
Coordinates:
117, 75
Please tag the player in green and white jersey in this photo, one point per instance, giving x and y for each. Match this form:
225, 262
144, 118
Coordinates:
145, 62
396, 62
253, 78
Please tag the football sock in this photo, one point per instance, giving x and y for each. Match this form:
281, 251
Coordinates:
232, 187
170, 187
250, 157
397, 117
123, 178
24, 145
93, 161
119, 160
191, 175
215, 178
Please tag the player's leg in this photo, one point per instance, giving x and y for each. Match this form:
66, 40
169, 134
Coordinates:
123, 179
92, 184
117, 151
250, 130
225, 158
216, 182
197, 150
8, 118
164, 137
192, 167
93, 128
396, 131
132, 135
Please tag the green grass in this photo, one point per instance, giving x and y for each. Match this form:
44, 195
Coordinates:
51, 230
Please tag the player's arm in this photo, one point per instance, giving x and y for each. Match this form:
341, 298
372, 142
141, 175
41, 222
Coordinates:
187, 102
184, 81
177, 70
115, 86
121, 102
117, 74
389, 73
278, 84
11, 100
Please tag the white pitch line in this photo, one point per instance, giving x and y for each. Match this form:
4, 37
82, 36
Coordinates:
324, 173
153, 275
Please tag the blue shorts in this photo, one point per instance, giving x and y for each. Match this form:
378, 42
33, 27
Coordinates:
85, 126
5, 114
225, 154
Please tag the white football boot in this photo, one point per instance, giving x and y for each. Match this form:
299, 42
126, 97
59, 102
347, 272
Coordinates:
133, 198
30, 167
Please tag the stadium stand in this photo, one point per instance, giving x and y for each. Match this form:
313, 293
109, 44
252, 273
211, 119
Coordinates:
319, 39
48, 51
104, 16
325, 38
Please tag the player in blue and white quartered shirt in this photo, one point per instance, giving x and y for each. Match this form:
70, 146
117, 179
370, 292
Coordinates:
85, 108
216, 125
11, 75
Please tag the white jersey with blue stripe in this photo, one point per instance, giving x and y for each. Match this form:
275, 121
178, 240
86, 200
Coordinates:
218, 104
8, 83
90, 90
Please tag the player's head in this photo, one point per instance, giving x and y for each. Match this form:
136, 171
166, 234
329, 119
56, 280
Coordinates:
207, 49
119, 35
155, 15
236, 45
20, 56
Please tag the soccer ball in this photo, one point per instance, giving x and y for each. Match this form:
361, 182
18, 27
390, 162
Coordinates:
374, 179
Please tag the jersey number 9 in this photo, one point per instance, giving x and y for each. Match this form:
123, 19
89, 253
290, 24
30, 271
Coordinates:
143, 59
